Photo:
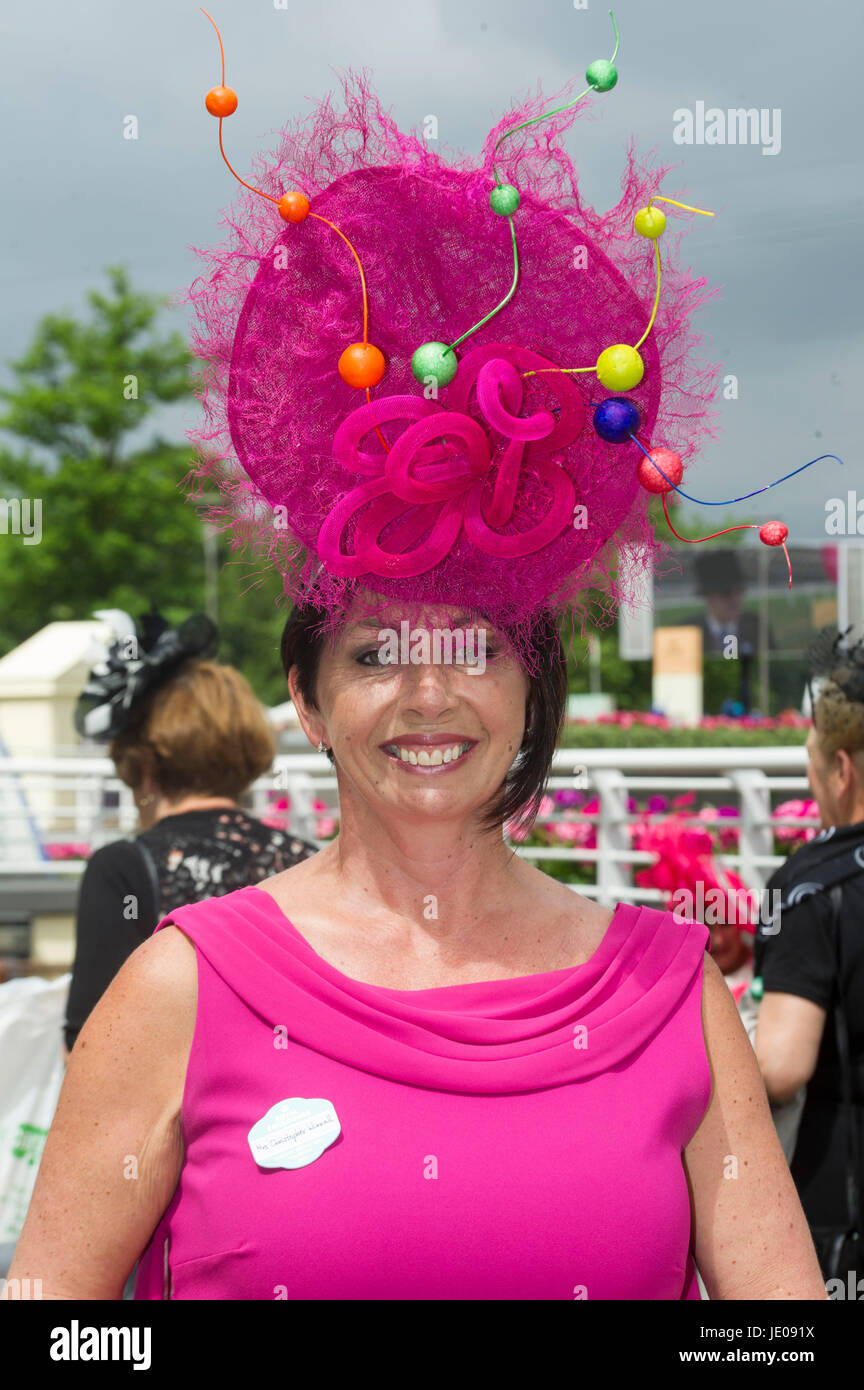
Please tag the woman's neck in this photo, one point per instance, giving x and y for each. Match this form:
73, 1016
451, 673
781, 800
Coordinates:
165, 807
395, 870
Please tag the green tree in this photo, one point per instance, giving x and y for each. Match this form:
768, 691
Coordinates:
251, 616
82, 387
117, 530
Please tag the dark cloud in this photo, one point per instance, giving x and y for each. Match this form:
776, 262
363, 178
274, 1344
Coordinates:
784, 244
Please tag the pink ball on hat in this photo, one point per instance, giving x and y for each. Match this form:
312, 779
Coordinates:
660, 472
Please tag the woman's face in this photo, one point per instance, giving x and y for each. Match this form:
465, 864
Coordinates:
423, 734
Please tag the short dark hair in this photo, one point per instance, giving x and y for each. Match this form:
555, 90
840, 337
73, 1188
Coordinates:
520, 795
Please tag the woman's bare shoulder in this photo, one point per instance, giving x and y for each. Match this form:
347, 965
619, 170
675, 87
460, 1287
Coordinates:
568, 916
118, 1113
164, 965
558, 897
153, 999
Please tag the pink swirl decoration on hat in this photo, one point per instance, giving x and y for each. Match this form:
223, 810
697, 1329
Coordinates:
435, 474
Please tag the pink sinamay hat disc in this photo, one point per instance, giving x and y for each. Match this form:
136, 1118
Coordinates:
436, 260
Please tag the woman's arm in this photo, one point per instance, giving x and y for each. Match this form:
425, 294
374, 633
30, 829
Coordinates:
750, 1235
114, 1152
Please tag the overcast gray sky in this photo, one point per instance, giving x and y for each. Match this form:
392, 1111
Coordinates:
785, 247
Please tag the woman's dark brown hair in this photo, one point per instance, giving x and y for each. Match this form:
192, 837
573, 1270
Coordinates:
520, 795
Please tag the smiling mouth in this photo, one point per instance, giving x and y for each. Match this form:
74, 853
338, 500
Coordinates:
441, 755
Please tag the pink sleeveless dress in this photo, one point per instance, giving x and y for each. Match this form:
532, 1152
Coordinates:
510, 1139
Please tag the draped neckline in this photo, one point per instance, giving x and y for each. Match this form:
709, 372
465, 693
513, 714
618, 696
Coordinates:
616, 930
487, 1037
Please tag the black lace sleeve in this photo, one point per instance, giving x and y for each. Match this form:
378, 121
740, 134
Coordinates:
194, 855
205, 854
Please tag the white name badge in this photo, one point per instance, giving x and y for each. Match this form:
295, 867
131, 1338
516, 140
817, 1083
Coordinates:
293, 1133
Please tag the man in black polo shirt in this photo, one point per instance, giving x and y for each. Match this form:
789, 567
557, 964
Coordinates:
795, 954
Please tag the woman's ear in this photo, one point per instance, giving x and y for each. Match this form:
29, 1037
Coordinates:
847, 772
147, 785
310, 719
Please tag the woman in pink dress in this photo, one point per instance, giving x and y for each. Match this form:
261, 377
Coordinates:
413, 1066
481, 1085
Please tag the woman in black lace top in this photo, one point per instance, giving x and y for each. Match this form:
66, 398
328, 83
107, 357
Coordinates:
189, 737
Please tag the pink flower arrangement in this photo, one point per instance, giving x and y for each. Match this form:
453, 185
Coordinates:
277, 821
802, 809
685, 858
325, 826
684, 838
577, 831
627, 719
728, 836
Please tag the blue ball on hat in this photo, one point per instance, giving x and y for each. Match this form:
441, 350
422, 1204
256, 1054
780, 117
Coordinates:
616, 419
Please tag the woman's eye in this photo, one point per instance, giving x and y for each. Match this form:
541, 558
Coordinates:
467, 660
476, 658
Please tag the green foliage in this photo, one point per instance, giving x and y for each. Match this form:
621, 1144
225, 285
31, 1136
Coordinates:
116, 538
566, 870
250, 627
74, 392
628, 681
117, 530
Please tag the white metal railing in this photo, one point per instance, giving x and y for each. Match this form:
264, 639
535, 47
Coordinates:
46, 802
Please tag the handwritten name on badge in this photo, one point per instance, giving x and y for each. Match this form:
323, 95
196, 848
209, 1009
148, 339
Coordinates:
293, 1133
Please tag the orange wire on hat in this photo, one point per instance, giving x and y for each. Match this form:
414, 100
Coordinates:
362, 364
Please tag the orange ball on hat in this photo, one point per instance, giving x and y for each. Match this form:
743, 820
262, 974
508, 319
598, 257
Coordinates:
362, 364
221, 101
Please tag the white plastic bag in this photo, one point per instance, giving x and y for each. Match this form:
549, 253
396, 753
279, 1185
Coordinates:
32, 1012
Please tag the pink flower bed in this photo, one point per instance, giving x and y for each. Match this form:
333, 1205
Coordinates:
278, 817
800, 809
684, 840
626, 719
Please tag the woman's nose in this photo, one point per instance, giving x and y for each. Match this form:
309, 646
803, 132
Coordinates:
428, 685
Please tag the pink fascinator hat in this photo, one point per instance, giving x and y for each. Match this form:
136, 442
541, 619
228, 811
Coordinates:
446, 381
